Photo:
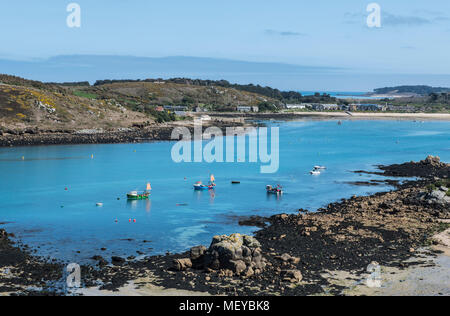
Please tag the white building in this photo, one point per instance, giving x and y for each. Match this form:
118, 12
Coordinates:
297, 106
244, 108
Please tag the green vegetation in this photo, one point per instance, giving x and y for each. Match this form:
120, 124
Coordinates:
441, 227
188, 101
433, 103
17, 81
84, 94
267, 107
280, 96
161, 117
437, 229
441, 183
421, 90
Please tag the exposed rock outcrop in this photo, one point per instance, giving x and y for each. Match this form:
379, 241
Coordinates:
239, 253
233, 255
434, 161
438, 196
3, 234
293, 276
182, 264
431, 167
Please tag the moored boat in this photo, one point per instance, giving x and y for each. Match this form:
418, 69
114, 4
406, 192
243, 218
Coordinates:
199, 186
135, 195
203, 187
278, 190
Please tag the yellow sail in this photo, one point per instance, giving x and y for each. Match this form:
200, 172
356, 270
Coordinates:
149, 187
213, 179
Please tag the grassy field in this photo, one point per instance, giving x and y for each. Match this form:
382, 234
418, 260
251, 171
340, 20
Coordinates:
84, 94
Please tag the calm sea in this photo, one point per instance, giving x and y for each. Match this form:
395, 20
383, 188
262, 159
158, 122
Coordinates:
37, 208
343, 95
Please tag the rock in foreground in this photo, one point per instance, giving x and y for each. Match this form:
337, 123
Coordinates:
439, 196
235, 254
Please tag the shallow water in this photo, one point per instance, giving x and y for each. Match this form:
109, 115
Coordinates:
36, 207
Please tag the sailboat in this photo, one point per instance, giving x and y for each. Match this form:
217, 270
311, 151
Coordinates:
135, 195
199, 186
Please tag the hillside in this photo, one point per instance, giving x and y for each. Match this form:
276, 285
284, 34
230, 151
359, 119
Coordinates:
71, 106
168, 93
283, 96
417, 90
49, 107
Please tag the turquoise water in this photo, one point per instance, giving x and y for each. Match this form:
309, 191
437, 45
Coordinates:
36, 207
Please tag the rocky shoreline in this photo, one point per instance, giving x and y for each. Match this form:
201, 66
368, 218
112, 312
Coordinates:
29, 138
290, 255
147, 132
136, 134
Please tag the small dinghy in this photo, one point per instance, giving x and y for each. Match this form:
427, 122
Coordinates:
315, 173
135, 195
278, 190
199, 186
203, 187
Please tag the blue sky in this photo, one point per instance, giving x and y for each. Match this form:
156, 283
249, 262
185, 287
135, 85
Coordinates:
414, 38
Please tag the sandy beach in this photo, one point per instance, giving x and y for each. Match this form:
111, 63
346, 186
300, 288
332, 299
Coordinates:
340, 115
392, 116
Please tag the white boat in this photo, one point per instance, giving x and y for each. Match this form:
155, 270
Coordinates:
315, 173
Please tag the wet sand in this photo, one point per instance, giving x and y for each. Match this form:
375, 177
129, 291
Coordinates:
139, 287
429, 278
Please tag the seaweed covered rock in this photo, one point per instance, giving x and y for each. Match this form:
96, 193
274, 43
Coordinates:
293, 276
431, 167
197, 256
182, 264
